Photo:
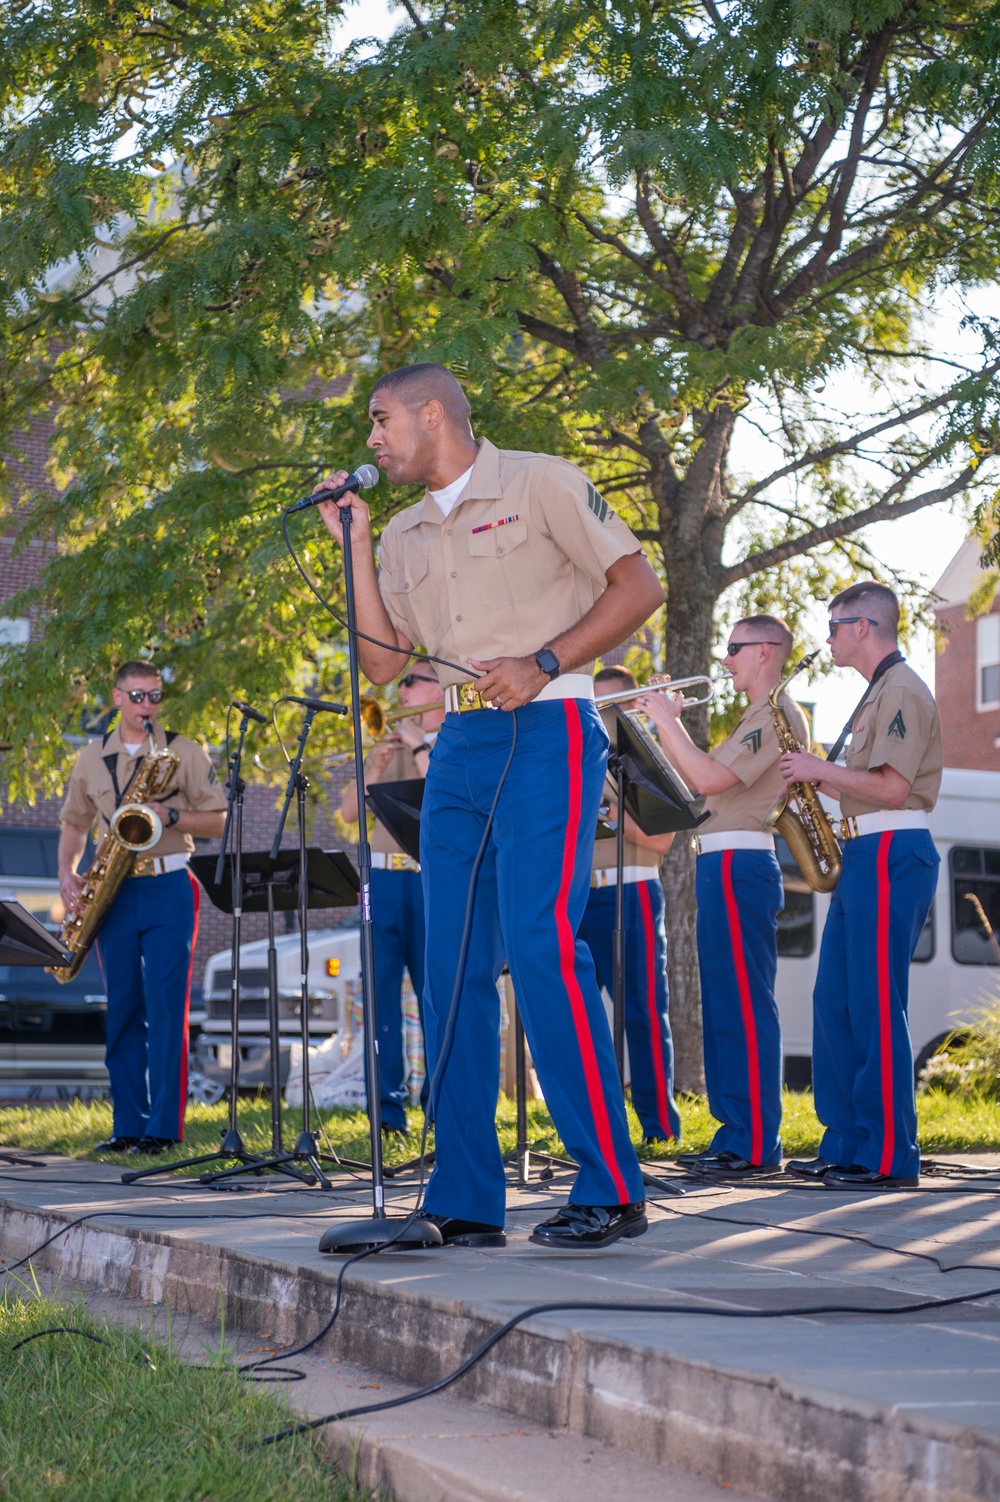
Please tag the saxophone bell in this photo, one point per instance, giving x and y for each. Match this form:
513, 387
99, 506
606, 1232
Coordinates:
797, 814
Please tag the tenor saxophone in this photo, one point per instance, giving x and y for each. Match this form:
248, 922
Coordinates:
805, 827
134, 828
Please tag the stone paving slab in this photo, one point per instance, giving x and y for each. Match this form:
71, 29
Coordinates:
840, 1406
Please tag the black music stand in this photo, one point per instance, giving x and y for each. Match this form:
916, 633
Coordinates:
397, 805
656, 798
269, 886
25, 941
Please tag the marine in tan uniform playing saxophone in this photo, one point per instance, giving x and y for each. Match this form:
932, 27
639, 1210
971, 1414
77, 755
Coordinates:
739, 891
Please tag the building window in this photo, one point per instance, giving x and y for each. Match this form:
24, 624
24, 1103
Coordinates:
14, 631
988, 662
797, 921
975, 904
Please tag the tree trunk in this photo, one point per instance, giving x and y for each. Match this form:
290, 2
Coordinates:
677, 876
691, 600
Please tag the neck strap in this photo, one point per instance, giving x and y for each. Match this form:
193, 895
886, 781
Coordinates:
883, 667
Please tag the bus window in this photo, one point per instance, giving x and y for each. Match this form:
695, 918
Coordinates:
925, 944
797, 921
975, 904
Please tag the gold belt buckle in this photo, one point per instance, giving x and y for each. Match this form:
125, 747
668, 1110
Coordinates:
849, 827
460, 697
142, 868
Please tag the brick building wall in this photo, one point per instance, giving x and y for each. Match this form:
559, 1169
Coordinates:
970, 736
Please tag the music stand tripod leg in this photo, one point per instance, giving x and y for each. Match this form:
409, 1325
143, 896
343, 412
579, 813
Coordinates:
524, 1151
276, 1159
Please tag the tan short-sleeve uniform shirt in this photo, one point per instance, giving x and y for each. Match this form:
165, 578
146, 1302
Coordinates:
402, 768
523, 556
898, 727
90, 797
752, 752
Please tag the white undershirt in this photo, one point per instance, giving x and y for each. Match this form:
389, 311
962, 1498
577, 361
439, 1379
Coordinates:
447, 497
133, 747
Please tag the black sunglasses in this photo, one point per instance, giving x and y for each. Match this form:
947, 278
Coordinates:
848, 620
736, 647
412, 678
154, 695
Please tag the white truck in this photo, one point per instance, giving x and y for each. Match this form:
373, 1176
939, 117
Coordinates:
956, 967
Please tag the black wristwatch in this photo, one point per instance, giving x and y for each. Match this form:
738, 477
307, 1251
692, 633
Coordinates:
173, 814
548, 662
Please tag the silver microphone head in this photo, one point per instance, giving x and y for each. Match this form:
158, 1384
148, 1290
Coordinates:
367, 476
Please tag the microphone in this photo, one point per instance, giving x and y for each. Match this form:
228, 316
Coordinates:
317, 705
250, 712
363, 478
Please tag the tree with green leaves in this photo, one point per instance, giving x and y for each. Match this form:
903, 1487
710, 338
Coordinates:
696, 246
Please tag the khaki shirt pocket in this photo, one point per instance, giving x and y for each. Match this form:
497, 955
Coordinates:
420, 600
501, 568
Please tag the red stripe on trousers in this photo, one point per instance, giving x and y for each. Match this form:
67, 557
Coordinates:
655, 1042
567, 952
182, 1103
884, 1000
746, 1007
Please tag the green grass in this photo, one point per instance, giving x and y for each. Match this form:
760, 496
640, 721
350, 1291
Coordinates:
127, 1421
947, 1123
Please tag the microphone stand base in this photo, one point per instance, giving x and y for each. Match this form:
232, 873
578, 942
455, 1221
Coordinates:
378, 1231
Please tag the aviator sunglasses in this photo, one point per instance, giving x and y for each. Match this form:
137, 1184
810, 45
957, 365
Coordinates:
136, 695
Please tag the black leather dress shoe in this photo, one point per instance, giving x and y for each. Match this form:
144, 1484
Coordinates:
148, 1146
581, 1228
455, 1232
116, 1145
728, 1165
810, 1168
393, 1132
858, 1177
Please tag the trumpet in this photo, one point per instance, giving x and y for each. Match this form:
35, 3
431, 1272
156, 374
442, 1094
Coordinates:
375, 719
624, 694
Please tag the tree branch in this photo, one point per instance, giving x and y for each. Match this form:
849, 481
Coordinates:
849, 445
881, 511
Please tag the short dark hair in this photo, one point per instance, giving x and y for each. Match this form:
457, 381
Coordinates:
415, 385
874, 599
775, 623
138, 667
604, 675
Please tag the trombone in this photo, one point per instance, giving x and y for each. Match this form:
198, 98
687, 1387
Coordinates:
621, 696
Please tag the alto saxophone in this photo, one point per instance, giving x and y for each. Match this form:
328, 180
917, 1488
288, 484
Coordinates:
134, 828
805, 828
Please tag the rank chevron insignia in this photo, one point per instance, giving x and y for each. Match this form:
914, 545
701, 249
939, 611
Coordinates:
597, 503
752, 740
898, 726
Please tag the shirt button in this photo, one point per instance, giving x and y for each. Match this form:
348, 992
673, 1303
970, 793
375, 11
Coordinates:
450, 531
454, 574
458, 617
499, 550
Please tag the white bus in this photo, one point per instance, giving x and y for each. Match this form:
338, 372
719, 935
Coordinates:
956, 967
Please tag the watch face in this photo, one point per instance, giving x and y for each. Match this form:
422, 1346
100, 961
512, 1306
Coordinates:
547, 661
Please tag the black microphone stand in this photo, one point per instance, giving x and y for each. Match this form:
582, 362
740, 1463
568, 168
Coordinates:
352, 1236
233, 1150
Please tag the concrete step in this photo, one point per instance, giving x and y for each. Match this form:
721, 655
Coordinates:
439, 1449
829, 1409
